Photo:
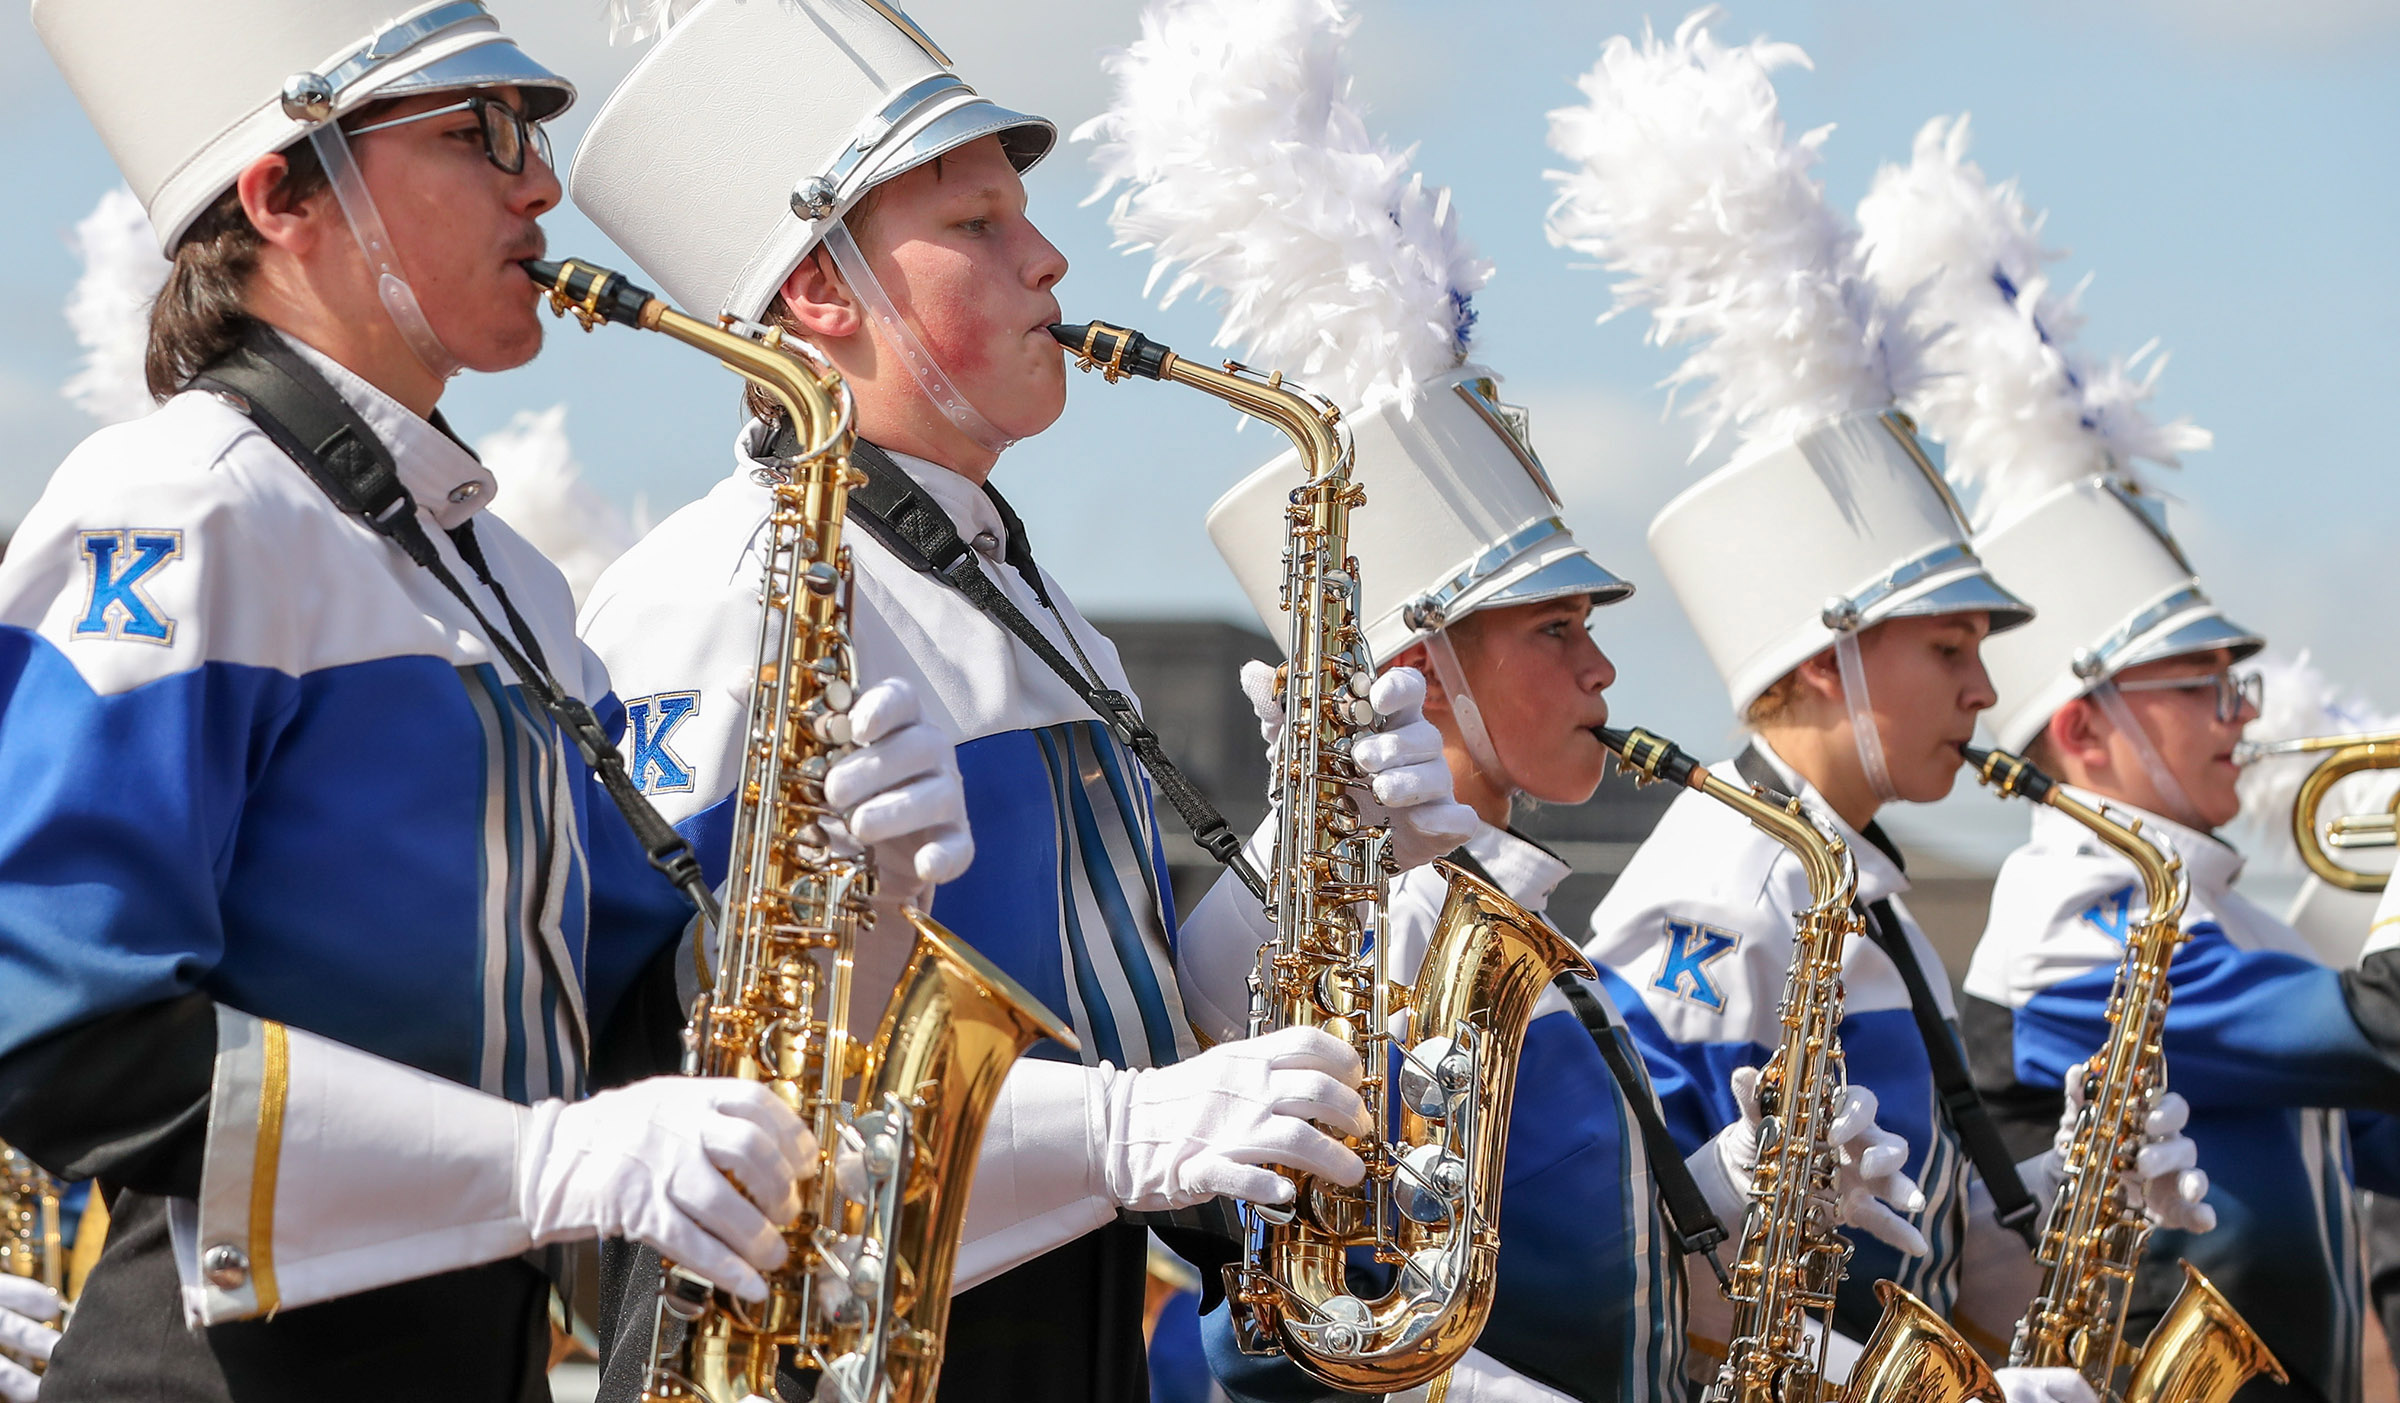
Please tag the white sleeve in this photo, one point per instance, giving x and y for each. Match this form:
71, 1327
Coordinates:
1217, 948
1479, 1378
1997, 1275
1039, 1183
331, 1171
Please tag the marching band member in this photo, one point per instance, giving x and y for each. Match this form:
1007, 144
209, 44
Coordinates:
1827, 571
2123, 687
312, 915
1231, 130
882, 216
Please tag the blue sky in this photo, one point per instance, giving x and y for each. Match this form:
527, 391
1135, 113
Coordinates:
2223, 168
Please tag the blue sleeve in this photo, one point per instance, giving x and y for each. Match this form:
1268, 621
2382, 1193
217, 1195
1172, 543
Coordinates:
635, 910
1690, 1078
2245, 1028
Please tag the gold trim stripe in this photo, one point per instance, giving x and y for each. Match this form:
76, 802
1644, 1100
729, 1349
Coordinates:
273, 1086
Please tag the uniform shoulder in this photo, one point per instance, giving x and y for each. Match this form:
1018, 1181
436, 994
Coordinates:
1703, 866
2056, 913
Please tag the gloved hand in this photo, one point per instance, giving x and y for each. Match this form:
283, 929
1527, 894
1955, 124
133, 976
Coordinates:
1180, 1135
24, 1306
1867, 1180
2044, 1386
899, 792
650, 1161
2171, 1191
1410, 782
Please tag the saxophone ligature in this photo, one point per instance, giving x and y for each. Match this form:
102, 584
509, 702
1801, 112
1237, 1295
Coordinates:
2092, 1237
2318, 838
1793, 1255
1429, 1209
865, 1295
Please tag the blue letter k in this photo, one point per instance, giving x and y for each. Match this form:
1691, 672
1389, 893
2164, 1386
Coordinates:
119, 561
657, 769
1691, 948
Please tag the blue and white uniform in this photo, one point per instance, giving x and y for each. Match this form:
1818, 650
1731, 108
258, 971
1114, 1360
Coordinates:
272, 796
2288, 1095
1694, 942
1068, 891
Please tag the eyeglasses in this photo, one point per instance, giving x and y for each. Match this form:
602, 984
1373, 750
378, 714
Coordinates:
506, 134
2233, 690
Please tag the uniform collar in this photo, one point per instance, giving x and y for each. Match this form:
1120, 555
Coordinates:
1519, 866
2210, 862
1878, 875
972, 512
438, 471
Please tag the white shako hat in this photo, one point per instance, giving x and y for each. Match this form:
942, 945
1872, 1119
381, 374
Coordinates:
2047, 440
752, 127
186, 93
1232, 132
1830, 518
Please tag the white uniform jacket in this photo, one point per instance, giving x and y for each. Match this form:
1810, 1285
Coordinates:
1068, 891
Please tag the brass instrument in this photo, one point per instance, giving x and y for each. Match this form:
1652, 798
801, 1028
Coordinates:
1430, 1206
30, 1244
865, 1295
2092, 1237
2344, 757
1793, 1255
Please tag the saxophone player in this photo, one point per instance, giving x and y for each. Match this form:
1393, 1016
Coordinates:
313, 917
908, 256
1828, 573
2125, 687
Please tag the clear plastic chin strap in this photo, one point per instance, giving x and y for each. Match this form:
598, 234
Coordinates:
1862, 715
903, 341
1471, 730
2170, 790
366, 225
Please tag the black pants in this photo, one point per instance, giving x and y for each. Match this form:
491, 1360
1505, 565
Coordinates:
475, 1336
1065, 1327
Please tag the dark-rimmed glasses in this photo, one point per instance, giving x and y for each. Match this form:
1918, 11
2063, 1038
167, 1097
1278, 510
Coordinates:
507, 136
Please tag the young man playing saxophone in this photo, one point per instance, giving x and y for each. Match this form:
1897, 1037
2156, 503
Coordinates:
311, 914
908, 257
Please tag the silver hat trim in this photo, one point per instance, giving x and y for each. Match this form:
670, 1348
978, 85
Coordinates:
312, 97
2116, 652
1431, 610
818, 196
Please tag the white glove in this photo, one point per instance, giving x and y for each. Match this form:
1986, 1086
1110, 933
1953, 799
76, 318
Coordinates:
1181, 1135
1867, 1181
1409, 779
899, 792
24, 1306
2044, 1386
2165, 1181
1479, 1378
657, 1162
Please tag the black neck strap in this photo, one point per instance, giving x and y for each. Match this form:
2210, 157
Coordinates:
909, 524
1689, 1217
303, 415
1962, 1104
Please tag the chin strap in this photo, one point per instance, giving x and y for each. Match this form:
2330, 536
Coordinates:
366, 225
1862, 715
1471, 730
2170, 789
904, 343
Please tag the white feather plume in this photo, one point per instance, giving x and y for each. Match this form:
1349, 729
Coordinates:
632, 21
544, 497
2300, 700
2017, 409
1247, 171
1684, 185
110, 308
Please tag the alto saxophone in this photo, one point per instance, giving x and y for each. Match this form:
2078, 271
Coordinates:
865, 1295
2092, 1238
1793, 1254
1429, 1209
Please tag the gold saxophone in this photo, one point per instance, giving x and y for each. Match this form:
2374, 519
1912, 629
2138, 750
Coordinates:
863, 1300
1430, 1207
30, 1245
2344, 757
1793, 1255
2092, 1238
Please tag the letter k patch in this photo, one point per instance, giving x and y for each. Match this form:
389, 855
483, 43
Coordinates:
1691, 949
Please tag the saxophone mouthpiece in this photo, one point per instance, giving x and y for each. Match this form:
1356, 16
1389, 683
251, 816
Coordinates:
1113, 351
1649, 758
594, 294
2007, 773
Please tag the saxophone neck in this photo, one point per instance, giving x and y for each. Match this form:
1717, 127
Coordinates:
2163, 880
1824, 855
1309, 420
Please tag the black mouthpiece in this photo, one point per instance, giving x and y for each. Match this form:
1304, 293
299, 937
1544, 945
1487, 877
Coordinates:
1650, 757
1112, 350
2007, 773
593, 293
